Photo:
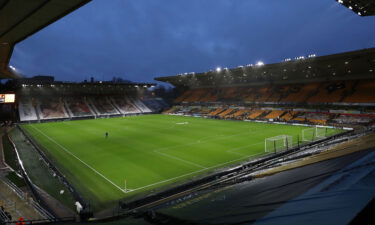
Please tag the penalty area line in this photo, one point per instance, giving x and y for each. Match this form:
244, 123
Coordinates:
198, 171
70, 153
182, 160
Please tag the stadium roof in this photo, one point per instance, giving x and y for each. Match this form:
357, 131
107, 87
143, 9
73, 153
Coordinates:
21, 18
350, 65
361, 7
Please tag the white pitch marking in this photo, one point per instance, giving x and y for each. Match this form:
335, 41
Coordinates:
182, 160
157, 151
198, 171
239, 148
67, 151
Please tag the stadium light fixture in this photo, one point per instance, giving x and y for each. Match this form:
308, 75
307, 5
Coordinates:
260, 63
218, 69
300, 57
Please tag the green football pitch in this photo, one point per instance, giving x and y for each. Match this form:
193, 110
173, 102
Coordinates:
147, 153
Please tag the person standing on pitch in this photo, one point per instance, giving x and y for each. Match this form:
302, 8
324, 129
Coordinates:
106, 134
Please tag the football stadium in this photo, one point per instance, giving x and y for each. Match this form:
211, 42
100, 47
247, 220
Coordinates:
290, 142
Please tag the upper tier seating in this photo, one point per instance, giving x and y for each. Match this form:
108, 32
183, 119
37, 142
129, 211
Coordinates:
288, 102
333, 92
364, 92
183, 96
322, 92
196, 95
299, 93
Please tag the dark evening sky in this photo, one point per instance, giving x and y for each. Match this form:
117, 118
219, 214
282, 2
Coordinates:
141, 39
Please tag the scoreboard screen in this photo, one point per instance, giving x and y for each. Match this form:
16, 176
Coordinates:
7, 98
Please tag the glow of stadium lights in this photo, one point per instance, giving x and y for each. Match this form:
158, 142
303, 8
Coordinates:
218, 69
340, 1
260, 63
12, 67
300, 57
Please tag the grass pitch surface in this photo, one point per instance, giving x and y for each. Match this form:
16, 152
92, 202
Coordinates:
148, 152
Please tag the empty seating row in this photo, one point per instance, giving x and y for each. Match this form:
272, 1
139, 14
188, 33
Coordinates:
45, 108
285, 115
318, 92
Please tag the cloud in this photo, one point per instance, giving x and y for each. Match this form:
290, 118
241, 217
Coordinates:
142, 39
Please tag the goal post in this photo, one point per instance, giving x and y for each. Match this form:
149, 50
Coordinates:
314, 133
321, 132
278, 143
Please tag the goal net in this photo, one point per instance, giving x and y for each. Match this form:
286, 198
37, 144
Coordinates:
314, 133
278, 143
